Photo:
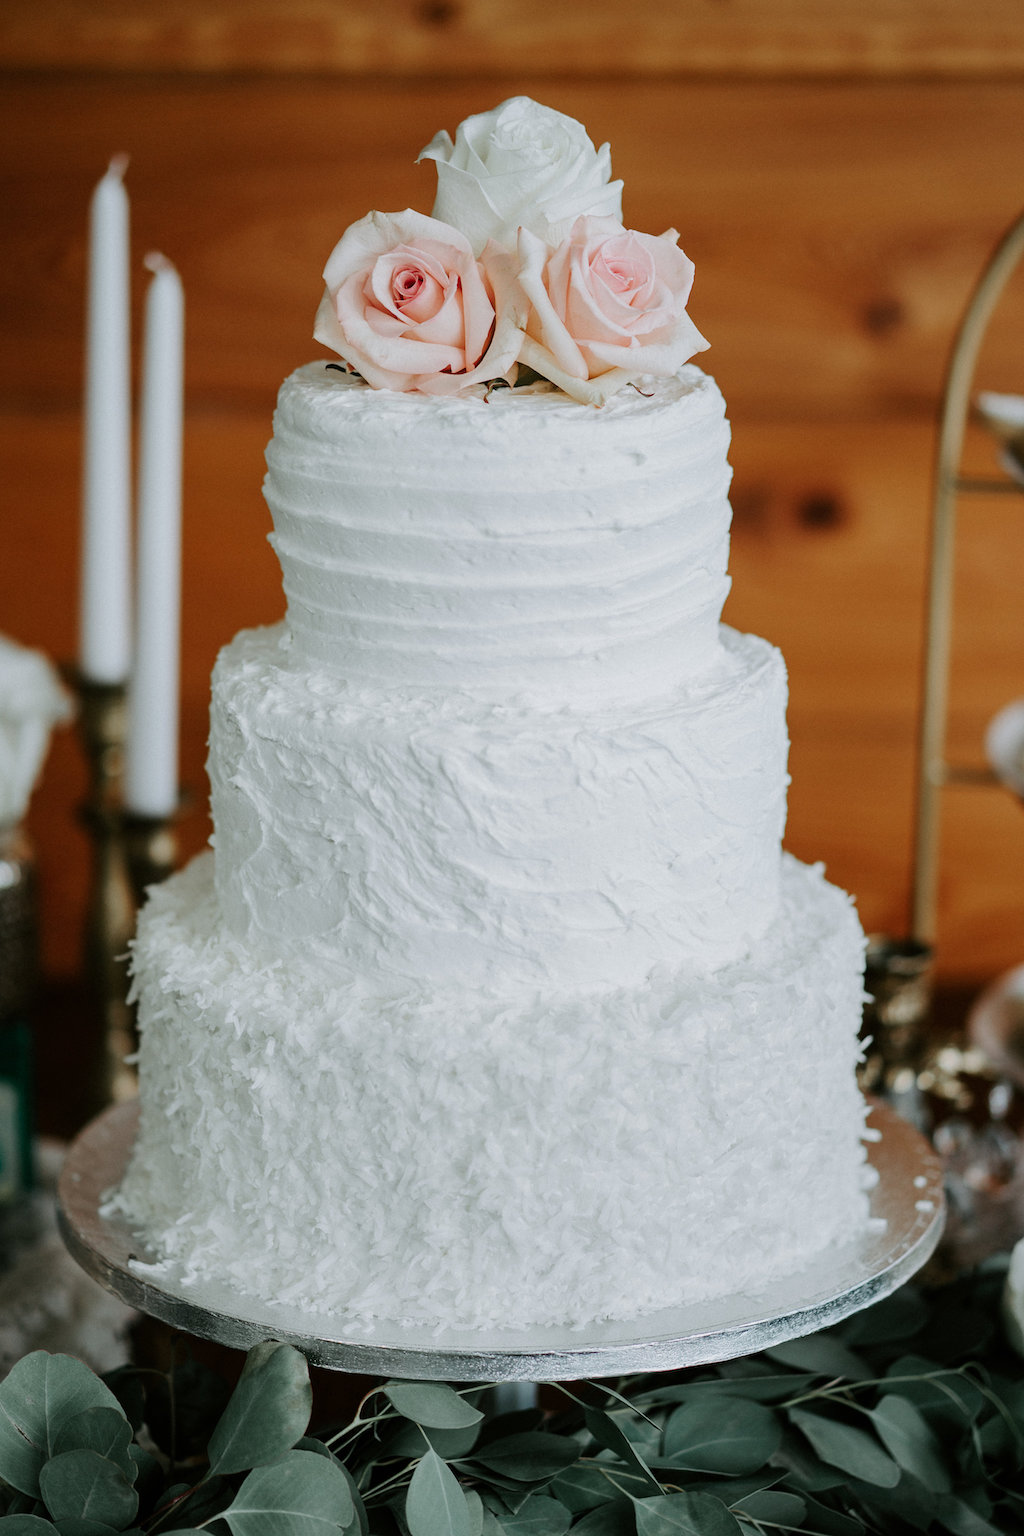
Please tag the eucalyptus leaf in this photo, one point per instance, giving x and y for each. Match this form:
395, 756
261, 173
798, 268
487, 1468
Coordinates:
723, 1434
757, 1389
82, 1485
302, 1494
998, 1441
734, 1489
822, 1353
941, 1394
539, 1516
607, 1520
435, 1504
805, 1470
905, 1434
1011, 1394
104, 1430
750, 1378
475, 1505
831, 1522
642, 1433
909, 1503
267, 1412
685, 1514
957, 1516
585, 1486
773, 1505
310, 1443
502, 1494
86, 1527
410, 1440
431, 1403
610, 1434
497, 1499
843, 1446
359, 1518
37, 1398
26, 1525
533, 1457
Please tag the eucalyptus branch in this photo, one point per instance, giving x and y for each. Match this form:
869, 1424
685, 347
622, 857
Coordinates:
398, 1480
357, 1425
846, 1389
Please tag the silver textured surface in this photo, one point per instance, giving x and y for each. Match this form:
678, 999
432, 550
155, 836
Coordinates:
907, 1211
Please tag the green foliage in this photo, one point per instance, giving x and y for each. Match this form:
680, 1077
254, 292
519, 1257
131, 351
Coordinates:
300, 1494
267, 1412
907, 1418
435, 1502
432, 1404
37, 1399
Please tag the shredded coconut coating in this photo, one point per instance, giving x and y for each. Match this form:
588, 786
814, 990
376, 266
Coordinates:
464, 1158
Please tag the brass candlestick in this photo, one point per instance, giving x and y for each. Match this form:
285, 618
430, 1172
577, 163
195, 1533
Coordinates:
130, 852
102, 714
151, 850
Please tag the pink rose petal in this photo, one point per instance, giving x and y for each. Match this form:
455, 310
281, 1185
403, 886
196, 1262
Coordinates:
409, 306
607, 300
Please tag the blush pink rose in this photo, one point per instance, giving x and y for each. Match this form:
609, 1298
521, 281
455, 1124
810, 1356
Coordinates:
607, 305
409, 306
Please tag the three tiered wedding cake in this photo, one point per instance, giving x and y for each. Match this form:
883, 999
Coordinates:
496, 1002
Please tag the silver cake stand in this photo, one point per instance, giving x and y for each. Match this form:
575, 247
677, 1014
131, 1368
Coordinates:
907, 1211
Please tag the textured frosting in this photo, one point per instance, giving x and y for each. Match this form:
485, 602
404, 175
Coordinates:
494, 1158
497, 1002
403, 835
523, 543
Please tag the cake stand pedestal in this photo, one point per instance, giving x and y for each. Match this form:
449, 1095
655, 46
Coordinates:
907, 1211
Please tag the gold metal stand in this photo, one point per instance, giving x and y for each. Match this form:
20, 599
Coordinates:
129, 853
934, 772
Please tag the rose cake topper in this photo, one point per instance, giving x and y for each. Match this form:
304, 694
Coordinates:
524, 263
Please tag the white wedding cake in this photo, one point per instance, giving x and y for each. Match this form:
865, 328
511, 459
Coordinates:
495, 1002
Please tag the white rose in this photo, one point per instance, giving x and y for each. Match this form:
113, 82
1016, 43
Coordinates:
521, 166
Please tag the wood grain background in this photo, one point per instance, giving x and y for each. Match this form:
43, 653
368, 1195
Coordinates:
839, 175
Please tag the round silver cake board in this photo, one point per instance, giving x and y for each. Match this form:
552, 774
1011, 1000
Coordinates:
907, 1211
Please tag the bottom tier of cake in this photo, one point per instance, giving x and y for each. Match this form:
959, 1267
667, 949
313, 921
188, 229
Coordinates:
466, 1160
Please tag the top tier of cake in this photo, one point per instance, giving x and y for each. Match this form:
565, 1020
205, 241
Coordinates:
519, 543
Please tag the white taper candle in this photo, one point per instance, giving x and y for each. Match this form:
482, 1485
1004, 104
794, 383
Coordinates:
151, 775
105, 608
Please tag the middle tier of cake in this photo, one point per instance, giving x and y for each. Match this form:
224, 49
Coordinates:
401, 834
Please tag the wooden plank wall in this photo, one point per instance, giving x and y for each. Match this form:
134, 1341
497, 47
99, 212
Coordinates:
839, 175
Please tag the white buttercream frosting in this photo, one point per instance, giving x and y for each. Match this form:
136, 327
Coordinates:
521, 544
496, 1002
410, 835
